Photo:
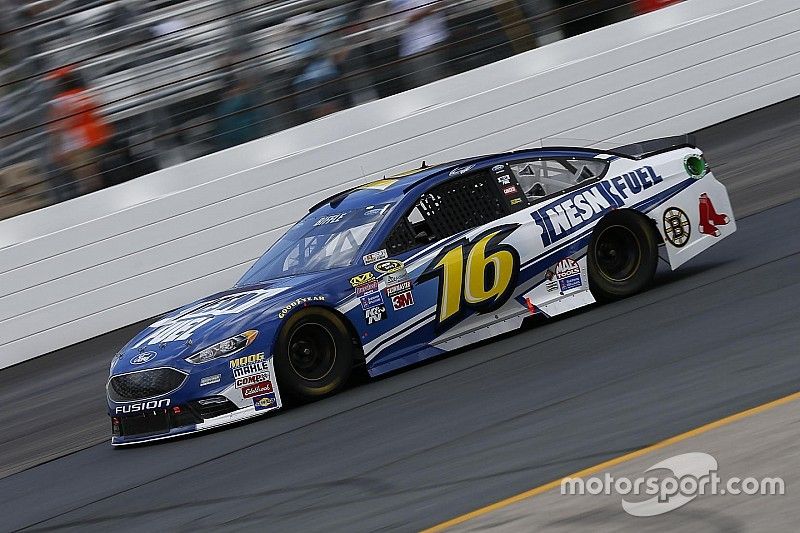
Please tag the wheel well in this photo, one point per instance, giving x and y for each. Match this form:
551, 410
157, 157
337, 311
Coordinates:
354, 338
653, 225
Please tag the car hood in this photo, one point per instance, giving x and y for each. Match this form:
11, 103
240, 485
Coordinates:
182, 332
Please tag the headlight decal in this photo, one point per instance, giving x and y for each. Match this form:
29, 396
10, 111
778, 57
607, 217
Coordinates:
223, 349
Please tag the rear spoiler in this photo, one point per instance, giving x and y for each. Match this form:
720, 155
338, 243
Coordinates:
648, 148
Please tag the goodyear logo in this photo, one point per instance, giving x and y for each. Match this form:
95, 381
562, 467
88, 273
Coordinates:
388, 266
570, 213
361, 279
246, 360
299, 301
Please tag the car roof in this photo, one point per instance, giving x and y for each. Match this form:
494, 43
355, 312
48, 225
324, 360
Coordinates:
390, 189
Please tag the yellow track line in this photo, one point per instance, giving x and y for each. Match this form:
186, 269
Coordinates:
611, 462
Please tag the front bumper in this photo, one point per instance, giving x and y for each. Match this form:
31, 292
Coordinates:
160, 424
193, 407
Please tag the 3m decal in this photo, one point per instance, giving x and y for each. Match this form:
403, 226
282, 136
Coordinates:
403, 300
376, 314
257, 389
677, 228
361, 279
477, 275
367, 288
709, 218
299, 301
262, 403
143, 358
373, 299
375, 257
387, 266
566, 215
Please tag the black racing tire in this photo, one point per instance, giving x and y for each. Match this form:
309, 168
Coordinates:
623, 256
314, 354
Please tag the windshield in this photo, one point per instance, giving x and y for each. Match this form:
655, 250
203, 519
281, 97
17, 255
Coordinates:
316, 243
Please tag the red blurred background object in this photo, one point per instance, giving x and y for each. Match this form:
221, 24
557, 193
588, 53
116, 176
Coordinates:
645, 6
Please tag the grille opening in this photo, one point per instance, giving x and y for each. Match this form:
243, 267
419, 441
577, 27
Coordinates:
144, 384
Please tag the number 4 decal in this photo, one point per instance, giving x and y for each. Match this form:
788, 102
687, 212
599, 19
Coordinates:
477, 275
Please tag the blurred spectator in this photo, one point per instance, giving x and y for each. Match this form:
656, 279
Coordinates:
78, 133
352, 59
317, 93
424, 30
238, 116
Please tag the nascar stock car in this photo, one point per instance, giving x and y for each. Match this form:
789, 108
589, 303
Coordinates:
402, 269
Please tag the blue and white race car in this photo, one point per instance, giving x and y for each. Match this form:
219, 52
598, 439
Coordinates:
402, 269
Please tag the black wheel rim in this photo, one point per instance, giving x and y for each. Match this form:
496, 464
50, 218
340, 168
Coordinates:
617, 253
312, 351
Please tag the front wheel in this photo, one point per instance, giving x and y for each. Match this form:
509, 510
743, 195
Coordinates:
622, 256
314, 354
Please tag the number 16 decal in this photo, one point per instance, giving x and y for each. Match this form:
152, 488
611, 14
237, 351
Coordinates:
477, 274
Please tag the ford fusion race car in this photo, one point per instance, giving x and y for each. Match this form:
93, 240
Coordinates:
408, 267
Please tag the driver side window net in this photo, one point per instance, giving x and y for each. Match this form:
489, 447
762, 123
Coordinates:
543, 177
457, 205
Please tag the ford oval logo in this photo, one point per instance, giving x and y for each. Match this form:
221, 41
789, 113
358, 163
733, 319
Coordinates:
143, 357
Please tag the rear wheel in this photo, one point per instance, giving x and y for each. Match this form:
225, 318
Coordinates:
314, 355
622, 256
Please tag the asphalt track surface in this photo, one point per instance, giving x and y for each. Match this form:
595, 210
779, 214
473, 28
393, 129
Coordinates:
421, 446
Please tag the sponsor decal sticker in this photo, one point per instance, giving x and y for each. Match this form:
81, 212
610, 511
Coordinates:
361, 279
510, 191
398, 288
373, 299
388, 266
374, 257
257, 389
498, 168
570, 213
299, 301
375, 210
249, 365
267, 401
330, 219
376, 314
550, 281
143, 358
568, 274
460, 171
709, 218
181, 326
210, 380
252, 380
516, 201
677, 228
504, 180
403, 300
143, 406
396, 277
367, 288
